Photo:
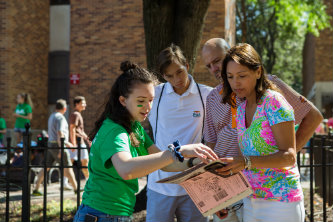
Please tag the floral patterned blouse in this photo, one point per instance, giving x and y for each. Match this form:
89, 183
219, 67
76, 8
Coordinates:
278, 184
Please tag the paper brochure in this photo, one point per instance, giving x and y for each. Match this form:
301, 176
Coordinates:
209, 191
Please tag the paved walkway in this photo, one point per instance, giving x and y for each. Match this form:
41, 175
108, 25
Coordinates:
53, 192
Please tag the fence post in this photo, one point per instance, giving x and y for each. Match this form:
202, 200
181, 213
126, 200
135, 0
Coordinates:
46, 150
323, 176
62, 145
79, 167
298, 160
26, 175
329, 171
311, 178
7, 178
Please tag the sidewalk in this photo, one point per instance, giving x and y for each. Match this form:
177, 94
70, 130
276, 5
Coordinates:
53, 192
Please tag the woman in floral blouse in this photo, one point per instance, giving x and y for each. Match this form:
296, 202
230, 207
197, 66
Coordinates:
266, 137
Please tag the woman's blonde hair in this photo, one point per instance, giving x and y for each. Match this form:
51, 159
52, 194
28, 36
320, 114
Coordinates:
27, 99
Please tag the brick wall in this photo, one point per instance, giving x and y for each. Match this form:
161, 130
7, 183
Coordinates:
105, 33
324, 51
214, 28
4, 106
24, 42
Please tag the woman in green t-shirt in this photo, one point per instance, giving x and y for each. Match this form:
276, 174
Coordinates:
121, 150
23, 114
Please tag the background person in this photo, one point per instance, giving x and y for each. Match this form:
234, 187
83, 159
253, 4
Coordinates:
3, 130
122, 151
220, 125
266, 137
23, 114
322, 128
178, 113
76, 129
57, 129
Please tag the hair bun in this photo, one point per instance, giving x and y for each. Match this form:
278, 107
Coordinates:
127, 65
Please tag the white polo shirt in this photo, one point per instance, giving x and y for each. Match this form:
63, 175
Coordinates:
180, 117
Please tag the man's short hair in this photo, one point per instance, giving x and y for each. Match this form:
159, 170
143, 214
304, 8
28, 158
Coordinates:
78, 99
60, 104
219, 43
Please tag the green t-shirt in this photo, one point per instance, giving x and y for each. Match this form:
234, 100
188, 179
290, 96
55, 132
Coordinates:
105, 190
2, 126
22, 109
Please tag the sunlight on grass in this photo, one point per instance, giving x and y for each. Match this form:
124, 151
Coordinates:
36, 211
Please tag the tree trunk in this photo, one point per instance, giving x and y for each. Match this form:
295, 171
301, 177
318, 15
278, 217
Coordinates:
308, 68
173, 21
244, 22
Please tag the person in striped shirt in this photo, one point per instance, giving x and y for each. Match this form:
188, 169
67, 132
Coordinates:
220, 124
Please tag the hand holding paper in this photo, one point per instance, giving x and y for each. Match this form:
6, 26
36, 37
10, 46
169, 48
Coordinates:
233, 165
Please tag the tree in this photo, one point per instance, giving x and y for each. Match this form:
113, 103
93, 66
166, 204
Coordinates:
276, 29
173, 21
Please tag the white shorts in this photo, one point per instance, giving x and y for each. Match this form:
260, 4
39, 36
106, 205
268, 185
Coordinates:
84, 153
272, 211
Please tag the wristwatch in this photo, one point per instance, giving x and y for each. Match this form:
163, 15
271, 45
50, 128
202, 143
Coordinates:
247, 162
190, 162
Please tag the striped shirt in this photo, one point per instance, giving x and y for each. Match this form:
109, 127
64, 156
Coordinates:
218, 127
299, 103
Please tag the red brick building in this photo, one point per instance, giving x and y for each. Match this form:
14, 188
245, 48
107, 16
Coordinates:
42, 43
24, 46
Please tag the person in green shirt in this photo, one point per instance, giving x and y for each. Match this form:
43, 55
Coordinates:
122, 151
3, 130
23, 114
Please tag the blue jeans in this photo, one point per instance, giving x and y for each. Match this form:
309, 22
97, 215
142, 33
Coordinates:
102, 217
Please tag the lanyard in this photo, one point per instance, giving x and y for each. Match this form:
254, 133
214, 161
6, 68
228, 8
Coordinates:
203, 107
233, 110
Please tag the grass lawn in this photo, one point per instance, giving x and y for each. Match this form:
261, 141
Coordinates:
36, 212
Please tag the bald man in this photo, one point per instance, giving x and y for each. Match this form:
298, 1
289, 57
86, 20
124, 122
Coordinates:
220, 132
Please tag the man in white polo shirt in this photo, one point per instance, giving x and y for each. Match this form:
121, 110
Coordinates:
177, 114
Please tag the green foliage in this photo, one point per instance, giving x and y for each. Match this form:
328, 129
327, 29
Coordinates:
277, 28
293, 15
288, 65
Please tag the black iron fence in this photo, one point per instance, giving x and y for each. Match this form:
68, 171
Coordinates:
315, 163
12, 175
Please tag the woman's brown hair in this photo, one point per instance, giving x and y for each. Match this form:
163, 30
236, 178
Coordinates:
244, 54
131, 76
